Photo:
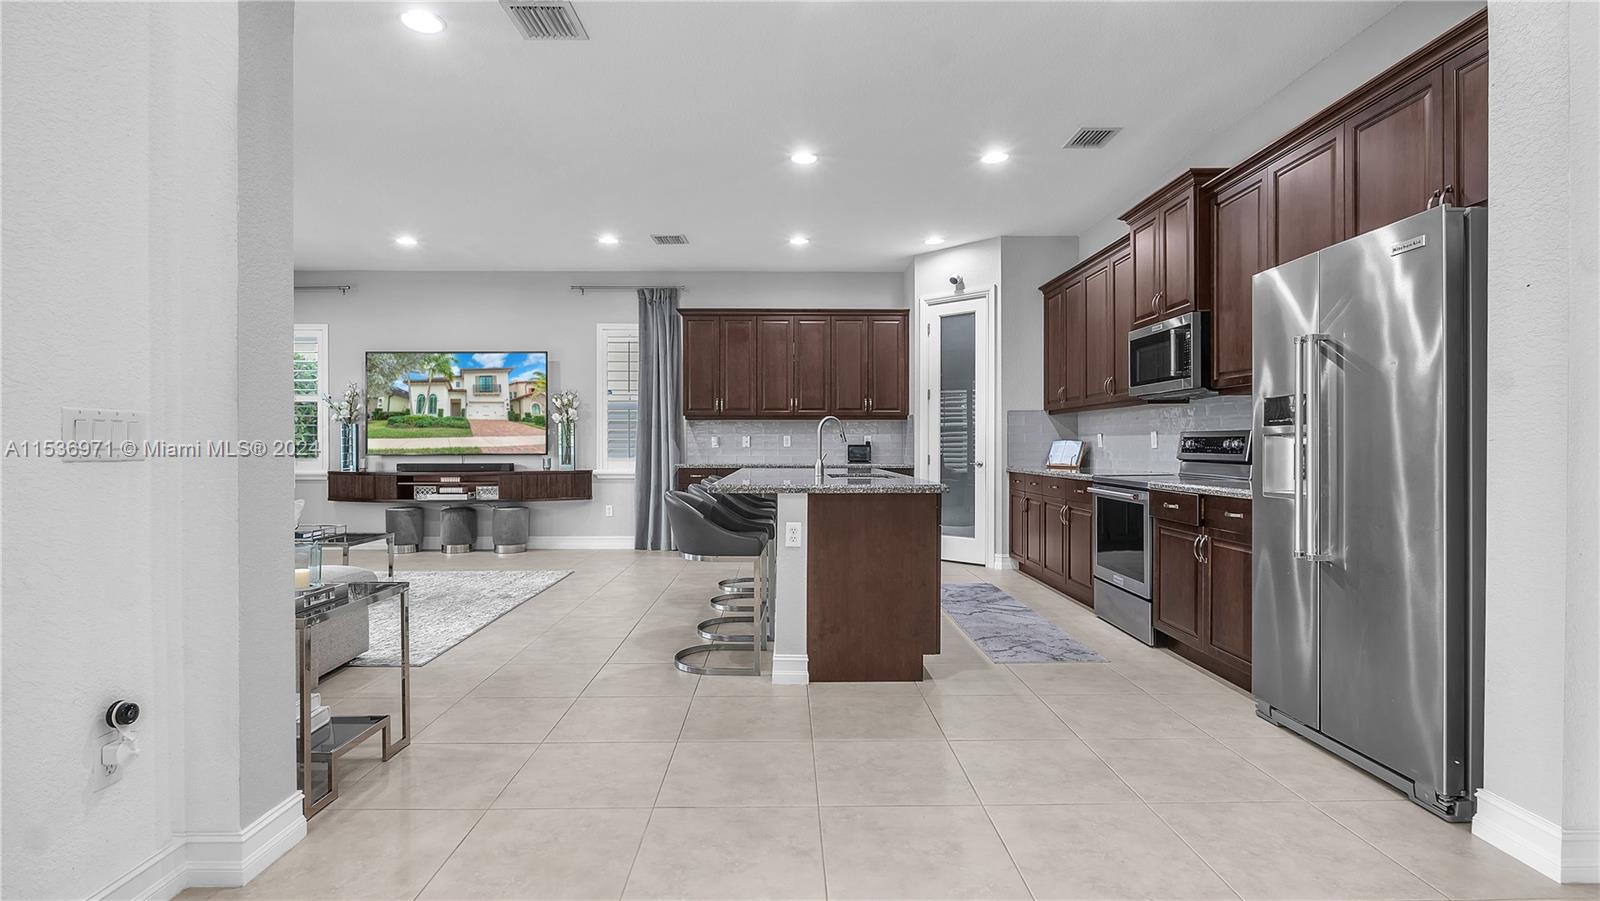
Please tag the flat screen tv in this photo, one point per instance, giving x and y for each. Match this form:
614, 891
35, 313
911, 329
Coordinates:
456, 403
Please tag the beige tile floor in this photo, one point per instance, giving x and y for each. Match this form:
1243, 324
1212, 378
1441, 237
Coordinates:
559, 754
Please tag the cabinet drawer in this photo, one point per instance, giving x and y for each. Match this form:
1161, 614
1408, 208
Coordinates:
1053, 489
1077, 493
1174, 507
1230, 514
1019, 483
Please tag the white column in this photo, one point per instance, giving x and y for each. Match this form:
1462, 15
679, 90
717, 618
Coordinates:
789, 661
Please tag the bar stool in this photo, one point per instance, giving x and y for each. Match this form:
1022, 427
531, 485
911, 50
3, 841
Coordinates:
405, 523
458, 530
698, 537
511, 530
756, 504
715, 508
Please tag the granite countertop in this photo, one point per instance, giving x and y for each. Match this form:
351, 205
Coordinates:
1243, 492
803, 480
1052, 473
831, 465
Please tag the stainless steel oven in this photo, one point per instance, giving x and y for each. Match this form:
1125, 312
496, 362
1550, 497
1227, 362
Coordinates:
1168, 360
1122, 570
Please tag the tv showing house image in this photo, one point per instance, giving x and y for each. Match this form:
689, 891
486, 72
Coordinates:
456, 403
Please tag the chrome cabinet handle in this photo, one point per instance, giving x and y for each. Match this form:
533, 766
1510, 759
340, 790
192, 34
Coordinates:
1205, 548
1169, 506
1062, 515
1232, 515
1433, 199
1445, 194
1195, 549
1110, 386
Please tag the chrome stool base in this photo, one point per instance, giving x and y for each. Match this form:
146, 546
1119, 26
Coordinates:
456, 548
719, 638
721, 602
503, 550
405, 548
736, 583
754, 669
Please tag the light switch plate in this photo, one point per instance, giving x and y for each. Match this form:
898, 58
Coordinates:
791, 534
1154, 442
744, 440
715, 441
785, 440
1099, 439
107, 436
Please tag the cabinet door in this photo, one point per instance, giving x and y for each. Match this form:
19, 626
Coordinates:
1240, 242
813, 364
1145, 244
1177, 598
738, 366
702, 365
1073, 346
849, 365
1080, 552
1036, 514
1099, 337
1305, 194
1055, 346
1055, 542
1176, 279
1122, 304
889, 386
1466, 120
1395, 156
1227, 575
1019, 526
775, 365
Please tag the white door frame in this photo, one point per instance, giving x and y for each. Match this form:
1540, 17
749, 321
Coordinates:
979, 548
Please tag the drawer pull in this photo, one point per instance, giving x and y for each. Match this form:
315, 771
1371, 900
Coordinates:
1169, 506
1232, 515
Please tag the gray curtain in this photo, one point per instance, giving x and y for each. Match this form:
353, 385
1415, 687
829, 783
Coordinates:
660, 415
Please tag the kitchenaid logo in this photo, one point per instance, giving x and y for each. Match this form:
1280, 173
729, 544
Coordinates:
1412, 244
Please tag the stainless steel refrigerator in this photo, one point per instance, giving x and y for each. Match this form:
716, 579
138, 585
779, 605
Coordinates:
1368, 490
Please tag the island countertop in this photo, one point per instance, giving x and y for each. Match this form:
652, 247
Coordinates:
803, 480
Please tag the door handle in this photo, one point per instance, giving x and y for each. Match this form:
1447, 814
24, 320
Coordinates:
1195, 548
1119, 495
1308, 456
1433, 199
1061, 514
1205, 548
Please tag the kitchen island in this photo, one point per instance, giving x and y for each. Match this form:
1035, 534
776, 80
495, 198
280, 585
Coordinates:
857, 572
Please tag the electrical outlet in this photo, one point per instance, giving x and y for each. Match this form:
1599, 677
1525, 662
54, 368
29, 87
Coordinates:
1154, 443
791, 534
744, 440
715, 441
102, 779
608, 509
866, 439
785, 440
1099, 439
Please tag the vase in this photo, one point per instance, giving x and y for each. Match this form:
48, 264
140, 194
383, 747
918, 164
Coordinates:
566, 449
349, 446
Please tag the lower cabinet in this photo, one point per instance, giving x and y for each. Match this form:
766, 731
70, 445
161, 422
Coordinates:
1202, 580
1052, 534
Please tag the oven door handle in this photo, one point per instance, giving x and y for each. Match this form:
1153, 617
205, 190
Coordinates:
1119, 495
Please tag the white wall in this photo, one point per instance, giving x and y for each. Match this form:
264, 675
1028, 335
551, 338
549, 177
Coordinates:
146, 189
1541, 796
463, 311
1387, 41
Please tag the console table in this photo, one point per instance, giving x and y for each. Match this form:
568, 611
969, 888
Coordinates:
517, 485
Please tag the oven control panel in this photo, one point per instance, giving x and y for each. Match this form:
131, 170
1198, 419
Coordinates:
1227, 446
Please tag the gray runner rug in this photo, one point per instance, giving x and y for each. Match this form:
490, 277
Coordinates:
446, 608
1008, 630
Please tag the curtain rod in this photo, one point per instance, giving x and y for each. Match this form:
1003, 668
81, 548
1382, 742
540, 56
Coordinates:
342, 289
584, 289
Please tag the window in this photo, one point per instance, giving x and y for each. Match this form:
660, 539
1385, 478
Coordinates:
421, 399
486, 385
618, 419
433, 405
310, 384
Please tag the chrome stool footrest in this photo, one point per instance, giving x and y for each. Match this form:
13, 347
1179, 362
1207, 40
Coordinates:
733, 584
721, 602
719, 638
754, 669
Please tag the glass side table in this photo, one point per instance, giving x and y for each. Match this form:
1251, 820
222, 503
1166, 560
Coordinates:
331, 535
319, 750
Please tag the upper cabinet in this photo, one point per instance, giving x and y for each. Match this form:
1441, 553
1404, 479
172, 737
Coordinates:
1415, 136
1171, 249
1088, 312
760, 364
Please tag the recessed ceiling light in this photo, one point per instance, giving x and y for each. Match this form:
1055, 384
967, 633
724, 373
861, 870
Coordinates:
802, 157
422, 22
994, 156
405, 241
933, 239
608, 239
799, 240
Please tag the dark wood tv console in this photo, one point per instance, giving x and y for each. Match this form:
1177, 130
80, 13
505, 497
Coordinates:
525, 485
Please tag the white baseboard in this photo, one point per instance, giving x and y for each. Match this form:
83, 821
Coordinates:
791, 669
1567, 856
1002, 561
209, 859
545, 543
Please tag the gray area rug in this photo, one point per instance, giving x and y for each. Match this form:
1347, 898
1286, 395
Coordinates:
1007, 629
446, 608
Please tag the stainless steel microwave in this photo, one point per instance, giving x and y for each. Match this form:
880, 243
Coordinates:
1169, 360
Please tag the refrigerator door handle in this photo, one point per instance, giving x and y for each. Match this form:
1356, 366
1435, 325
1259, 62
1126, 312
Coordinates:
1297, 454
1312, 536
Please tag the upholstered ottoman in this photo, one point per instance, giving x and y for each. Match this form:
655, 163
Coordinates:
511, 530
406, 524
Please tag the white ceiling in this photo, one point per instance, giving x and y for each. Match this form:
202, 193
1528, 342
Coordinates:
500, 153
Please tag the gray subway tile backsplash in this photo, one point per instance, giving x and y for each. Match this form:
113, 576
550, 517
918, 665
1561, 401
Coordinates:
1119, 440
891, 441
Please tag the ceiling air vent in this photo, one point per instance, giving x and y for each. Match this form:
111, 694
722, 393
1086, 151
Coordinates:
545, 20
670, 239
1090, 137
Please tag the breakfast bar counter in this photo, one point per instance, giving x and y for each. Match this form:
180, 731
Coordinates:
857, 572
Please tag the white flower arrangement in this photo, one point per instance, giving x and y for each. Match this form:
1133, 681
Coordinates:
348, 409
564, 406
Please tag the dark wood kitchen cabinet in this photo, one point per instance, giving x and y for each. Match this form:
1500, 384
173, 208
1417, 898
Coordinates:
1466, 116
1240, 233
776, 364
1052, 533
1394, 165
1201, 596
1171, 246
1088, 311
